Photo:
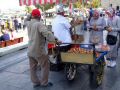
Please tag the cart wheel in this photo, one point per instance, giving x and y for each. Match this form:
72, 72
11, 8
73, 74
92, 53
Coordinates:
96, 74
70, 71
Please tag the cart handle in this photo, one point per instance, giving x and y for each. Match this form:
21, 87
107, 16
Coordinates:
78, 43
104, 53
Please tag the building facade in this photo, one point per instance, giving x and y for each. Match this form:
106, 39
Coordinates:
106, 3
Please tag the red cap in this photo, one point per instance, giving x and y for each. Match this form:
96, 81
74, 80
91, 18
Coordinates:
36, 13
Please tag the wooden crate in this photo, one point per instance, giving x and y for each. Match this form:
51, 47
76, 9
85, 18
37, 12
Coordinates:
77, 58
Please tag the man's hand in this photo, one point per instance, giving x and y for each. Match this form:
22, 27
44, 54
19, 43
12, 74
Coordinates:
109, 29
95, 27
57, 41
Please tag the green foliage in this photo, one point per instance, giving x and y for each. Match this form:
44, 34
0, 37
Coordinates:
38, 6
74, 5
77, 4
96, 3
48, 6
28, 9
45, 7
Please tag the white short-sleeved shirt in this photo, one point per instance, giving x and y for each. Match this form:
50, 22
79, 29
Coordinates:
61, 29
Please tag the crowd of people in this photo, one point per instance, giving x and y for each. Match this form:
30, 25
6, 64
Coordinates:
10, 27
108, 20
96, 22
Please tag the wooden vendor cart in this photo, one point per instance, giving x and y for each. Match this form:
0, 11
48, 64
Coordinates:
82, 54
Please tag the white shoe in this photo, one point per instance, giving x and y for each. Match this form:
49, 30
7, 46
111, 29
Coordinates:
53, 59
108, 63
113, 63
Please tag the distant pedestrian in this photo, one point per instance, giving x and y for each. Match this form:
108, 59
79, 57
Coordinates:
12, 34
117, 11
2, 24
19, 22
16, 24
110, 7
8, 24
22, 23
90, 13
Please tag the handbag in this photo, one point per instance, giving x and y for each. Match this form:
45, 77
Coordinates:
111, 39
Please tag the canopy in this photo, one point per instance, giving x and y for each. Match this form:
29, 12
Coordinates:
34, 2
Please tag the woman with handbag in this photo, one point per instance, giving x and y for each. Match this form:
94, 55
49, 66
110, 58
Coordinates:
113, 24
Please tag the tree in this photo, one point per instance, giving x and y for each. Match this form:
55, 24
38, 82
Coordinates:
96, 3
38, 6
77, 5
48, 6
44, 7
28, 9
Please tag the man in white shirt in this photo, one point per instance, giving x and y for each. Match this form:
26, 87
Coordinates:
61, 29
61, 26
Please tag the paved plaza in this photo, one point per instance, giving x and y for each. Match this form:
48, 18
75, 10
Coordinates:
15, 75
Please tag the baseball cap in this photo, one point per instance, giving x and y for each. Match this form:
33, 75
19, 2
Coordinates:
36, 13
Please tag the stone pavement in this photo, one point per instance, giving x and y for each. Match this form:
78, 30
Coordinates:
17, 76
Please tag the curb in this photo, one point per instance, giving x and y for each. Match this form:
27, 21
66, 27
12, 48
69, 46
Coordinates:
13, 48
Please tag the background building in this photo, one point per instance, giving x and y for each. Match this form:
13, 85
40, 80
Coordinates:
106, 3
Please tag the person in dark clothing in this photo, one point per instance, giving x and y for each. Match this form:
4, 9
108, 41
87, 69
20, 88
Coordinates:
16, 24
111, 5
90, 13
0, 38
117, 7
117, 11
5, 36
